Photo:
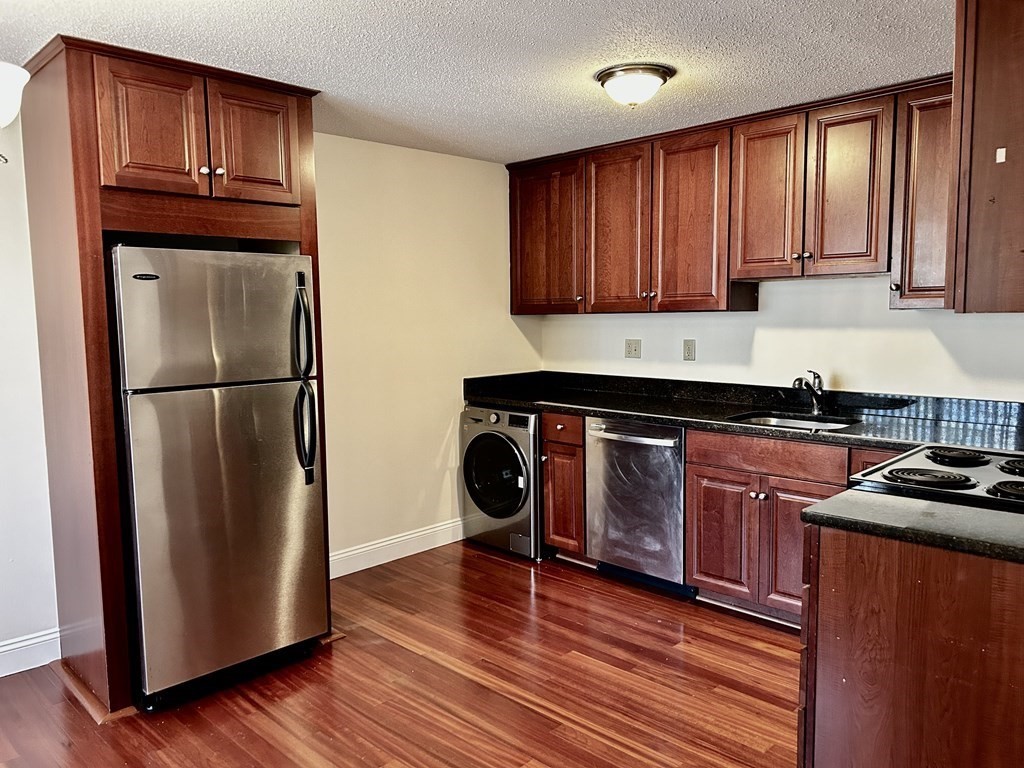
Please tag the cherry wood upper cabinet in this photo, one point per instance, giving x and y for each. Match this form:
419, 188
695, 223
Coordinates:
618, 215
690, 260
151, 125
253, 143
921, 198
547, 220
767, 197
987, 231
849, 177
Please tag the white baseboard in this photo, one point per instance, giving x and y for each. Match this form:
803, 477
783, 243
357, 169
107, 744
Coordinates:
394, 547
29, 651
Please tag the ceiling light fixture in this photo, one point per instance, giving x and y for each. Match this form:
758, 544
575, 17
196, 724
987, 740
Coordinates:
633, 84
12, 82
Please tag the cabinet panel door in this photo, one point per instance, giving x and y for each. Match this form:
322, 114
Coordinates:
254, 140
152, 127
781, 579
921, 198
547, 238
619, 229
690, 261
563, 496
721, 531
849, 178
863, 459
766, 227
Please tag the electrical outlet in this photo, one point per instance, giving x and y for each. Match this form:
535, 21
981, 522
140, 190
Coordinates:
633, 348
689, 350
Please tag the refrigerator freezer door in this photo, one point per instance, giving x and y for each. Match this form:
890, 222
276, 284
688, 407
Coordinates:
227, 526
188, 318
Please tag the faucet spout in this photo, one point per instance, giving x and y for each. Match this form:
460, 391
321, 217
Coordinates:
815, 386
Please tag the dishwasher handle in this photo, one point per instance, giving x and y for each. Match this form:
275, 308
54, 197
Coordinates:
601, 432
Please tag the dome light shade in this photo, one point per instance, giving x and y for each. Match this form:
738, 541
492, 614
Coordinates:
12, 82
632, 84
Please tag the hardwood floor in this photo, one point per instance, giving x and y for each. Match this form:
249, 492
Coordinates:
464, 657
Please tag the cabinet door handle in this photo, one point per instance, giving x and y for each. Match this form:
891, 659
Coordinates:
808, 255
762, 496
643, 294
219, 171
579, 298
543, 458
559, 427
753, 494
205, 170
653, 294
793, 257
894, 287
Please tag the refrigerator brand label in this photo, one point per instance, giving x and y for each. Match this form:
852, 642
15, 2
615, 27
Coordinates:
145, 276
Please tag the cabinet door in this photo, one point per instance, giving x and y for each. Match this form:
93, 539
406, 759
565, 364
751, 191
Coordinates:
721, 531
254, 143
781, 579
151, 126
766, 228
920, 206
690, 260
563, 496
863, 459
547, 238
619, 229
849, 178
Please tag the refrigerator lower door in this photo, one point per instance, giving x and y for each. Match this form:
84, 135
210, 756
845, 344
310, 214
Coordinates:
197, 318
227, 526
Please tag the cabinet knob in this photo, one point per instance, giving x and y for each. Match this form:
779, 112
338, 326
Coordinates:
793, 257
653, 294
543, 458
894, 287
204, 170
219, 171
753, 494
559, 427
807, 255
579, 298
762, 496
643, 294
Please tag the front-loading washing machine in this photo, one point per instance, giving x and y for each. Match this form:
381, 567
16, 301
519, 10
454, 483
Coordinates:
499, 480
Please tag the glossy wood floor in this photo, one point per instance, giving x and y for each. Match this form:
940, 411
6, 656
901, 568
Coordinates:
463, 657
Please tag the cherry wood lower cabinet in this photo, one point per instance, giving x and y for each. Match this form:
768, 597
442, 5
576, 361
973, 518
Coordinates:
863, 459
914, 656
744, 536
562, 462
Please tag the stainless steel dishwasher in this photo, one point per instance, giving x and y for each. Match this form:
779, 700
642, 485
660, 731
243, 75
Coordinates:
635, 496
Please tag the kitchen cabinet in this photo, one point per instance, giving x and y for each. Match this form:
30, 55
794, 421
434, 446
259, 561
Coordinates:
863, 459
814, 204
563, 462
115, 142
618, 217
744, 496
986, 228
920, 212
168, 130
547, 220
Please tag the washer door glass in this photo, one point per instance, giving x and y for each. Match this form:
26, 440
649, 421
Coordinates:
495, 473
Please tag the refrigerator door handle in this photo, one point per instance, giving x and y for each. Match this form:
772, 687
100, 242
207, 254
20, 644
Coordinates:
302, 325
306, 429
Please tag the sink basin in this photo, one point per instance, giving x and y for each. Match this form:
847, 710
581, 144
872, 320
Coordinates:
804, 422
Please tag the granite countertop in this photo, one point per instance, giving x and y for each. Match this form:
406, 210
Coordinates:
984, 532
890, 422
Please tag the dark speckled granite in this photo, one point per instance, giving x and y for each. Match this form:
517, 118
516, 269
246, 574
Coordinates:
984, 532
894, 422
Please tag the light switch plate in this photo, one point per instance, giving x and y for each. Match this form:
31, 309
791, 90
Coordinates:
689, 350
633, 348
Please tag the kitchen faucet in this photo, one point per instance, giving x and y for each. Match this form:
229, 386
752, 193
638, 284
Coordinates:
815, 386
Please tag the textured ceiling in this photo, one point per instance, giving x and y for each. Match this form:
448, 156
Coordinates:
513, 79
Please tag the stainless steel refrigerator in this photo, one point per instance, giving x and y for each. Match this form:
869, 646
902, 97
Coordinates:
218, 377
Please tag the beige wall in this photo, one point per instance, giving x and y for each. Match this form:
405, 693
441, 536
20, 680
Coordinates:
414, 286
841, 327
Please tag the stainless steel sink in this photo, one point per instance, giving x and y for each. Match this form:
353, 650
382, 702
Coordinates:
803, 422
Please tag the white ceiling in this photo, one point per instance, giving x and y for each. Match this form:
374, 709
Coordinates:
509, 80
